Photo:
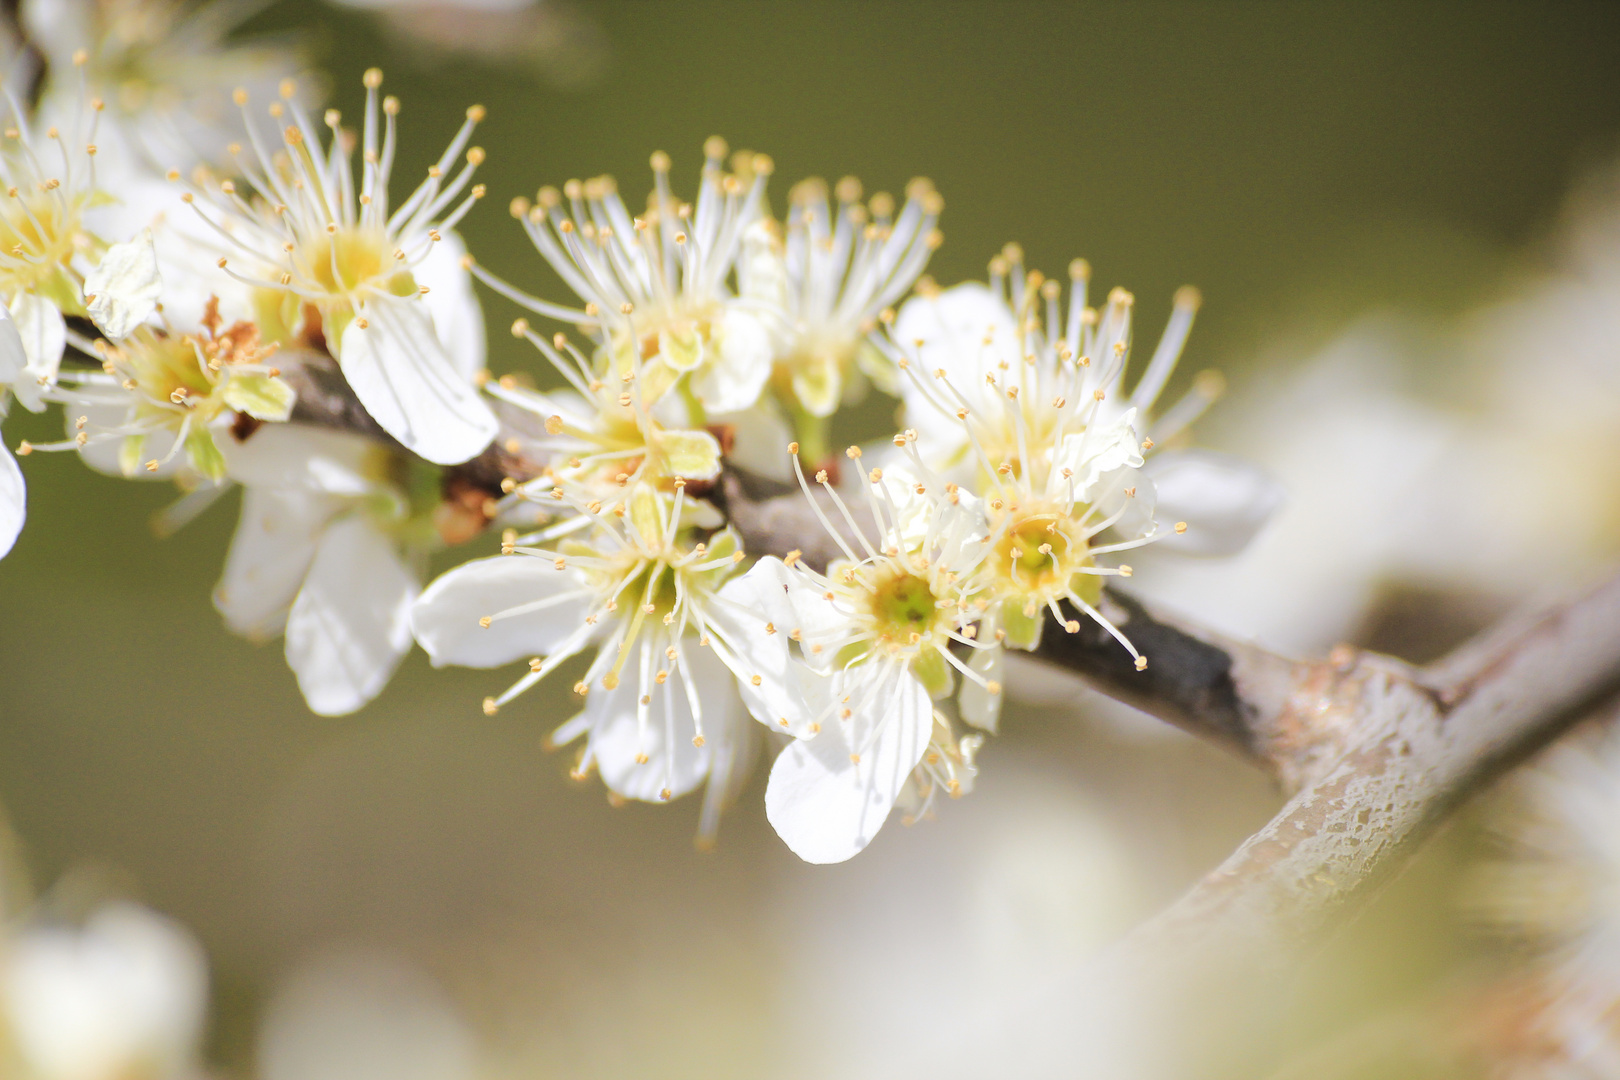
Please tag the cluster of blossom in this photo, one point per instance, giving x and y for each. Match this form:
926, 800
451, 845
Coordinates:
196, 325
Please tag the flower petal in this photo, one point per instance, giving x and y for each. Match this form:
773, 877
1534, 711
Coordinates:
827, 807
13, 501
965, 331
126, 457
13, 357
446, 619
672, 763
123, 289
978, 705
410, 385
293, 456
350, 625
734, 379
452, 304
1099, 450
44, 336
1224, 500
270, 554
789, 696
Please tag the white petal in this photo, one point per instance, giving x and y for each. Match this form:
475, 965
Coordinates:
1100, 449
44, 336
409, 384
297, 457
759, 440
791, 603
734, 380
953, 327
826, 807
270, 554
350, 625
13, 501
673, 763
1224, 500
104, 454
123, 289
13, 357
789, 696
979, 707
446, 618
453, 305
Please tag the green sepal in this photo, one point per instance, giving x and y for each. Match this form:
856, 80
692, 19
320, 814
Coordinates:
205, 456
1087, 587
818, 383
260, 396
694, 455
647, 514
129, 454
682, 351
1023, 631
935, 673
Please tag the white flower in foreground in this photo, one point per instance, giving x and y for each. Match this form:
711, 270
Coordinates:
330, 260
1023, 404
837, 271
874, 637
49, 183
122, 996
324, 553
161, 395
655, 287
661, 713
599, 439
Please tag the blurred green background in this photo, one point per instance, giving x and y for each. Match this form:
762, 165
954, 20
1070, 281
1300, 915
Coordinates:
1300, 163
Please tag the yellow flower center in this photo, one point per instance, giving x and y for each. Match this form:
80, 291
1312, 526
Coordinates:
1038, 552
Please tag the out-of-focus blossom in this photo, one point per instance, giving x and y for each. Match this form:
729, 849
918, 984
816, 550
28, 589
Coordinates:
329, 260
560, 39
358, 1014
164, 68
1554, 887
124, 995
1354, 449
46, 248
13, 490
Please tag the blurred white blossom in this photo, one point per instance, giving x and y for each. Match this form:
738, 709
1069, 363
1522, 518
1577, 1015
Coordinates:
124, 995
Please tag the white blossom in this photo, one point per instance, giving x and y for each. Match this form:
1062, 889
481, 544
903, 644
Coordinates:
163, 400
837, 270
13, 491
328, 257
325, 553
1023, 404
49, 180
123, 995
165, 68
661, 715
657, 299
873, 636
